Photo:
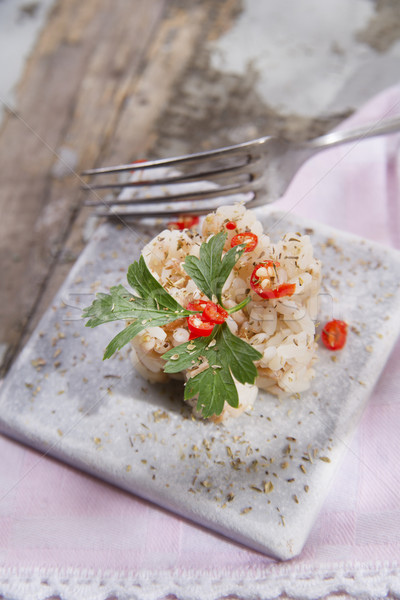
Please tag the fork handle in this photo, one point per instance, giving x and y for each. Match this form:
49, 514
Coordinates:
335, 138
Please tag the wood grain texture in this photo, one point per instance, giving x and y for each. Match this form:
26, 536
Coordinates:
69, 98
102, 73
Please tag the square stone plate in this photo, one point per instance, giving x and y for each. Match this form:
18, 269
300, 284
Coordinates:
259, 479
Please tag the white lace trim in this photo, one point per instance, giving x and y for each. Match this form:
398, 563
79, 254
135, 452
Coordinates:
374, 582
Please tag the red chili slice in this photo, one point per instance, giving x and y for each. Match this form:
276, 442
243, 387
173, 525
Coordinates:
231, 225
184, 223
270, 290
285, 289
202, 325
334, 334
199, 327
198, 305
214, 313
245, 238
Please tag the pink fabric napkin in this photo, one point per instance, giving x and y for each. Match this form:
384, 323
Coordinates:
66, 534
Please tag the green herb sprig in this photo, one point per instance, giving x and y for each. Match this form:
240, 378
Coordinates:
224, 355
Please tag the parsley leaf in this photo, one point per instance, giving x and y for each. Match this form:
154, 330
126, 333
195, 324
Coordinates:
109, 307
140, 279
239, 356
187, 355
227, 356
214, 387
210, 271
155, 308
122, 338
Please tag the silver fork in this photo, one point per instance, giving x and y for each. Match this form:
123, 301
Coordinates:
256, 172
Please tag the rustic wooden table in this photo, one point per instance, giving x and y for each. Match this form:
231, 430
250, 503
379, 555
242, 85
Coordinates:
110, 81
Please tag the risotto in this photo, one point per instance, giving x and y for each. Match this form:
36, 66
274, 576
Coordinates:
283, 280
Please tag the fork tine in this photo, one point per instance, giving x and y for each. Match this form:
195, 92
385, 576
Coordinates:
236, 188
165, 213
212, 175
179, 160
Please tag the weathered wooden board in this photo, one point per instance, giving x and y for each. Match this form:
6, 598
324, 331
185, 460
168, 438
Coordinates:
96, 83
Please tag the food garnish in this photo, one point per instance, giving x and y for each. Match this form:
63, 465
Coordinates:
213, 347
334, 334
184, 223
199, 327
248, 238
215, 313
264, 281
226, 355
231, 225
202, 325
154, 306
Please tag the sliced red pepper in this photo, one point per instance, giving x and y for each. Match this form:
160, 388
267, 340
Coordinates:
198, 305
202, 325
231, 225
199, 327
214, 313
285, 289
245, 238
334, 334
270, 291
184, 223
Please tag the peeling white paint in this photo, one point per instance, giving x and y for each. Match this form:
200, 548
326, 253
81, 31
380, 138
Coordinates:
66, 163
306, 54
20, 24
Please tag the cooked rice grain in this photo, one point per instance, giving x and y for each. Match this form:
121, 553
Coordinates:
283, 329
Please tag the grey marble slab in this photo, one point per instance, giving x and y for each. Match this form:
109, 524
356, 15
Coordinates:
103, 418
